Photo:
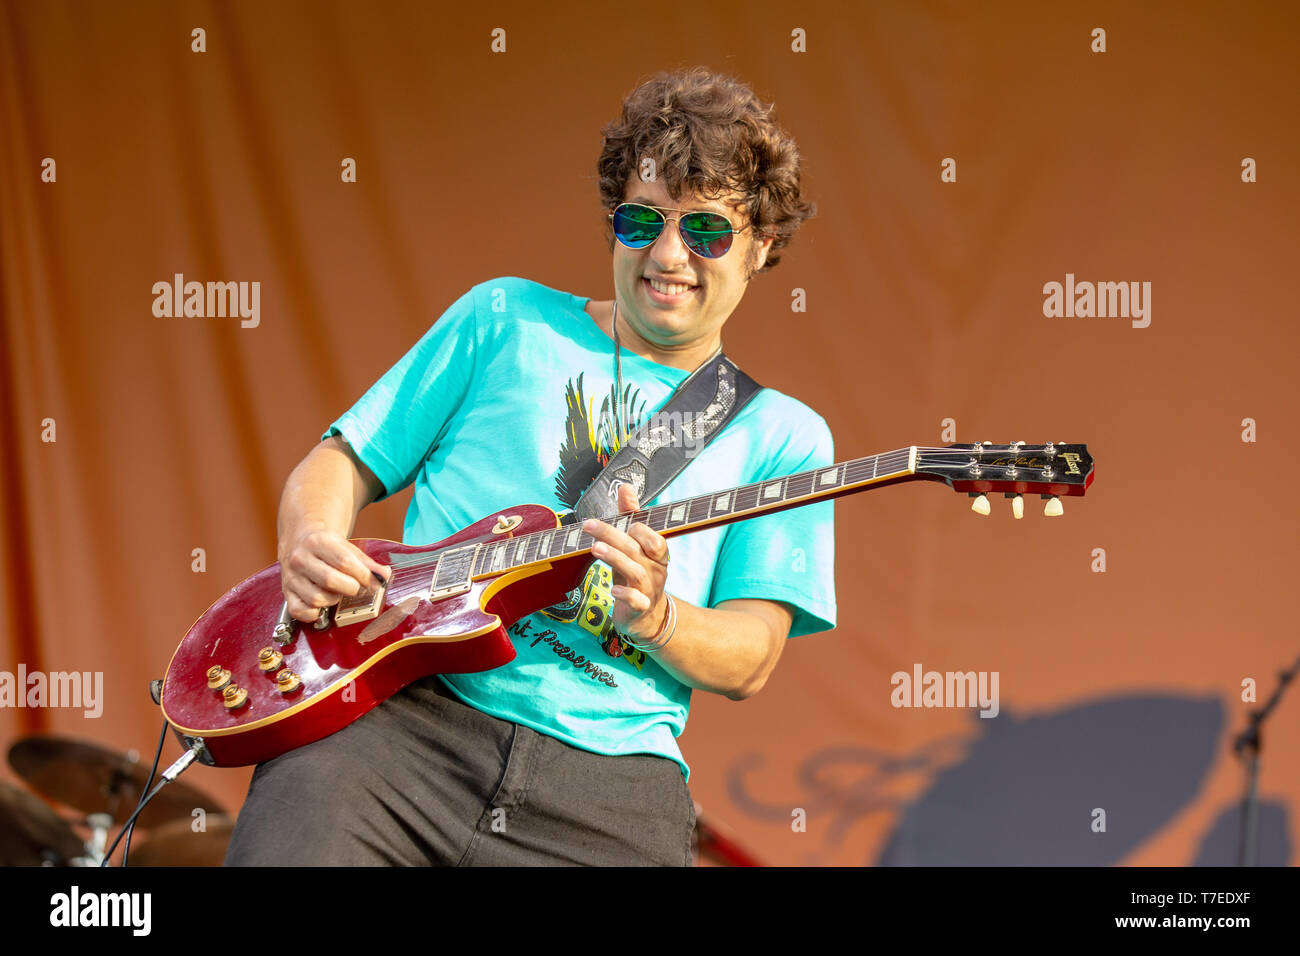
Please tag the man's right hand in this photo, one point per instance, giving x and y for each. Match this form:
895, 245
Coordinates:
320, 568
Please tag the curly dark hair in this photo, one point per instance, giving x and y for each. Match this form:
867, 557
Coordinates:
708, 135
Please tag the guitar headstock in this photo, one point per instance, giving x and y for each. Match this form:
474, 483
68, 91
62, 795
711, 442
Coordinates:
1052, 470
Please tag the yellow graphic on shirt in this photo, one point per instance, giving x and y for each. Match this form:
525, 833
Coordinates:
591, 607
591, 437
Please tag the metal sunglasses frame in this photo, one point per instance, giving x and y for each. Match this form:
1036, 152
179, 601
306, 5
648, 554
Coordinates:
677, 219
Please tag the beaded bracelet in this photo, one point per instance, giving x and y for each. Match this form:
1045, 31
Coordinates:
670, 626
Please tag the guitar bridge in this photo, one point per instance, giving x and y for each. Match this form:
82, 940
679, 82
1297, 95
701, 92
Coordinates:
362, 607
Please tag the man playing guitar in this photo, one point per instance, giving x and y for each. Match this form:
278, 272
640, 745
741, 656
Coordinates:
519, 392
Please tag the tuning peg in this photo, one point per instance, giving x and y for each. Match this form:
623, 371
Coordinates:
1017, 506
980, 505
1053, 508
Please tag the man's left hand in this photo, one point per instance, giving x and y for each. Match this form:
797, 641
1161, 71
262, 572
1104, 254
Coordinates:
639, 560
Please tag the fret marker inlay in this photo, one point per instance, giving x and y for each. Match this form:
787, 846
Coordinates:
773, 490
720, 503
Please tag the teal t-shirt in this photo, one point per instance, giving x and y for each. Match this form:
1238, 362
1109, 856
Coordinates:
509, 399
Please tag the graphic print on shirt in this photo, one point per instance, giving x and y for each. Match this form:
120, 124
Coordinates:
590, 441
590, 444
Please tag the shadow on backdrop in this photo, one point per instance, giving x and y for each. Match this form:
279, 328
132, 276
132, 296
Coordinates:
1024, 792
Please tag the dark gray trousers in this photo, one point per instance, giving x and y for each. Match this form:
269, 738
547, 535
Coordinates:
424, 779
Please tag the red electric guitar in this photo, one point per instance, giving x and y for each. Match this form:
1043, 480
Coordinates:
250, 683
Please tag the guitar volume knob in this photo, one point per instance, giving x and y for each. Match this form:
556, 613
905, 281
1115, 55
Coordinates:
234, 697
268, 659
218, 677
286, 681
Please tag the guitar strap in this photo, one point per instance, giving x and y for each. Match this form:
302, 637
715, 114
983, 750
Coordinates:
694, 414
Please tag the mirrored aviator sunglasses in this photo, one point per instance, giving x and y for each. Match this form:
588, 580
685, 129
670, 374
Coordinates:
706, 234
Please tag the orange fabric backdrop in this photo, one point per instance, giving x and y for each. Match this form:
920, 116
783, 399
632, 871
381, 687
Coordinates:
1119, 690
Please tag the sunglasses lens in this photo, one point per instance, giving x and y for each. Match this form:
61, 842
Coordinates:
637, 226
707, 234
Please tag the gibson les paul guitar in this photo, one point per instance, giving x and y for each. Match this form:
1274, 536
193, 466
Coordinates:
249, 682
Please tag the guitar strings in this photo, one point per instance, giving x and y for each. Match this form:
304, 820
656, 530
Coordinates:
399, 589
409, 578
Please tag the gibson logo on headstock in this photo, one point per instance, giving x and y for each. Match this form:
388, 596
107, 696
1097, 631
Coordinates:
1072, 460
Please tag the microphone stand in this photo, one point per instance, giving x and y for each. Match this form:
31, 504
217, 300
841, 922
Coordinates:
1249, 741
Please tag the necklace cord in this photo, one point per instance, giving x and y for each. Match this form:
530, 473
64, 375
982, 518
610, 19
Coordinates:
618, 378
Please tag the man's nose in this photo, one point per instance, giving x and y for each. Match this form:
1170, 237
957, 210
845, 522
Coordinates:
669, 248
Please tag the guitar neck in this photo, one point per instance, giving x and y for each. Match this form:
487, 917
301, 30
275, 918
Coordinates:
765, 497
705, 511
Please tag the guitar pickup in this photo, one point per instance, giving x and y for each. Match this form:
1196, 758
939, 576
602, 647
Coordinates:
362, 607
455, 569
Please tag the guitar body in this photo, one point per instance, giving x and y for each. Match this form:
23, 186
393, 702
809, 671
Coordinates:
345, 670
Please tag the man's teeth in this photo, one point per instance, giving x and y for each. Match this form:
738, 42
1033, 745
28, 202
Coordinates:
668, 289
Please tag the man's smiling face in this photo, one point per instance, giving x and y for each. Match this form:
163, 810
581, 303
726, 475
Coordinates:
690, 321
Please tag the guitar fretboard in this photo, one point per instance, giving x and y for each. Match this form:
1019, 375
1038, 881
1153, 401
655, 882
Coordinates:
691, 514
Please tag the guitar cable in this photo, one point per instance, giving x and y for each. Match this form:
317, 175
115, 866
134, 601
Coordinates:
130, 829
168, 775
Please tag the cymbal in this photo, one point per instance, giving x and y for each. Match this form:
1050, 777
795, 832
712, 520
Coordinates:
176, 844
95, 779
31, 833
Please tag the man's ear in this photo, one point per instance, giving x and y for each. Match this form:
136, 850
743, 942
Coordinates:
758, 255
